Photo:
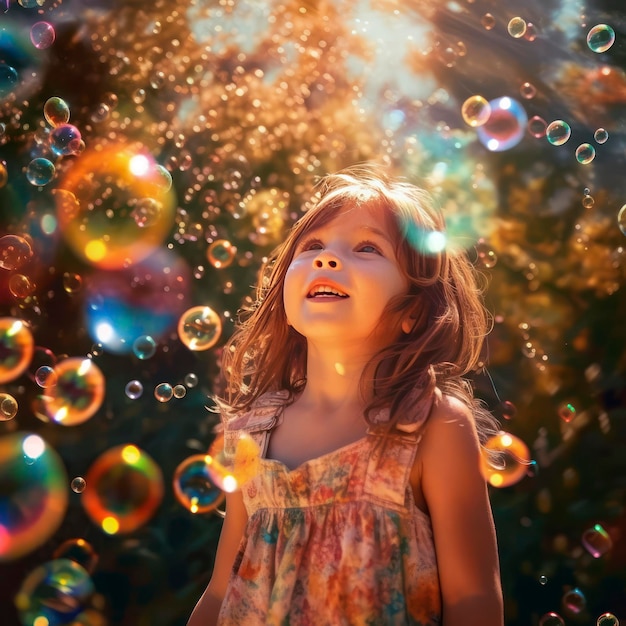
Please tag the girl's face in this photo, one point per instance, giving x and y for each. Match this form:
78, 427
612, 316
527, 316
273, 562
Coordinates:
342, 276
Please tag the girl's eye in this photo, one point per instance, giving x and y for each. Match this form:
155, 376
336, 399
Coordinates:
311, 244
366, 246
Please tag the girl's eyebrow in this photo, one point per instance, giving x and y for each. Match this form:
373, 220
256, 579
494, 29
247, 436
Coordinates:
376, 231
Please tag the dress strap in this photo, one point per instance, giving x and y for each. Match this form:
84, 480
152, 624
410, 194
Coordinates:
258, 422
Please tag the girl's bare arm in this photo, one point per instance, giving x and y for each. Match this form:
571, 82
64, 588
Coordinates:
207, 609
464, 533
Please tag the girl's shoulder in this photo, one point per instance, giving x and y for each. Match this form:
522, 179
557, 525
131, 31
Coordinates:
262, 415
414, 410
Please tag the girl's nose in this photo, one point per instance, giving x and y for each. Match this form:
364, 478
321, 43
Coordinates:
326, 259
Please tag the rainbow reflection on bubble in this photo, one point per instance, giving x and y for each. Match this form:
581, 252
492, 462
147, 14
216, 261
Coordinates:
53, 593
33, 493
193, 486
79, 551
124, 489
506, 125
110, 184
199, 328
510, 461
16, 348
77, 394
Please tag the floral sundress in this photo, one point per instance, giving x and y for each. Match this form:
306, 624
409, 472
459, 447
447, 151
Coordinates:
336, 541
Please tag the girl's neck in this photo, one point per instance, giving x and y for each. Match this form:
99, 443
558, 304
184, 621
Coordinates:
333, 379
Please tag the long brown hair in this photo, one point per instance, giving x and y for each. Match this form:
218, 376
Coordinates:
444, 305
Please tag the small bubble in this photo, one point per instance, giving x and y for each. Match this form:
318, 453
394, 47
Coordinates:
9, 79
574, 601
558, 132
221, 253
567, 412
596, 541
488, 21
528, 91
543, 579
585, 153
15, 251
601, 135
516, 27
621, 219
537, 126
78, 484
42, 35
588, 201
40, 172
551, 619
56, 111
45, 376
163, 392
144, 347
8, 407
191, 380
72, 283
179, 391
600, 38
475, 111
133, 389
507, 410
607, 619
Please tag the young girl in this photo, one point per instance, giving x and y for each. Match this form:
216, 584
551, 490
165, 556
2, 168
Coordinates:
369, 507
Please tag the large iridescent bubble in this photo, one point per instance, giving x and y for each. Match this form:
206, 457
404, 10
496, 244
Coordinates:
109, 183
506, 125
54, 593
33, 493
16, 348
78, 392
124, 489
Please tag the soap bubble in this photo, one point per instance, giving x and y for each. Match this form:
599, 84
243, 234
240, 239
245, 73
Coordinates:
56, 111
65, 139
42, 35
191, 380
230, 473
40, 171
621, 219
33, 493
15, 252
54, 593
475, 111
600, 38
8, 79
558, 132
78, 484
601, 135
516, 27
567, 411
16, 348
163, 392
509, 462
607, 619
597, 541
45, 376
221, 253
8, 407
134, 389
144, 347
551, 619
537, 126
199, 328
528, 91
574, 601
110, 185
21, 286
505, 127
585, 153
125, 489
79, 551
488, 21
193, 486
78, 393
507, 409
179, 391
